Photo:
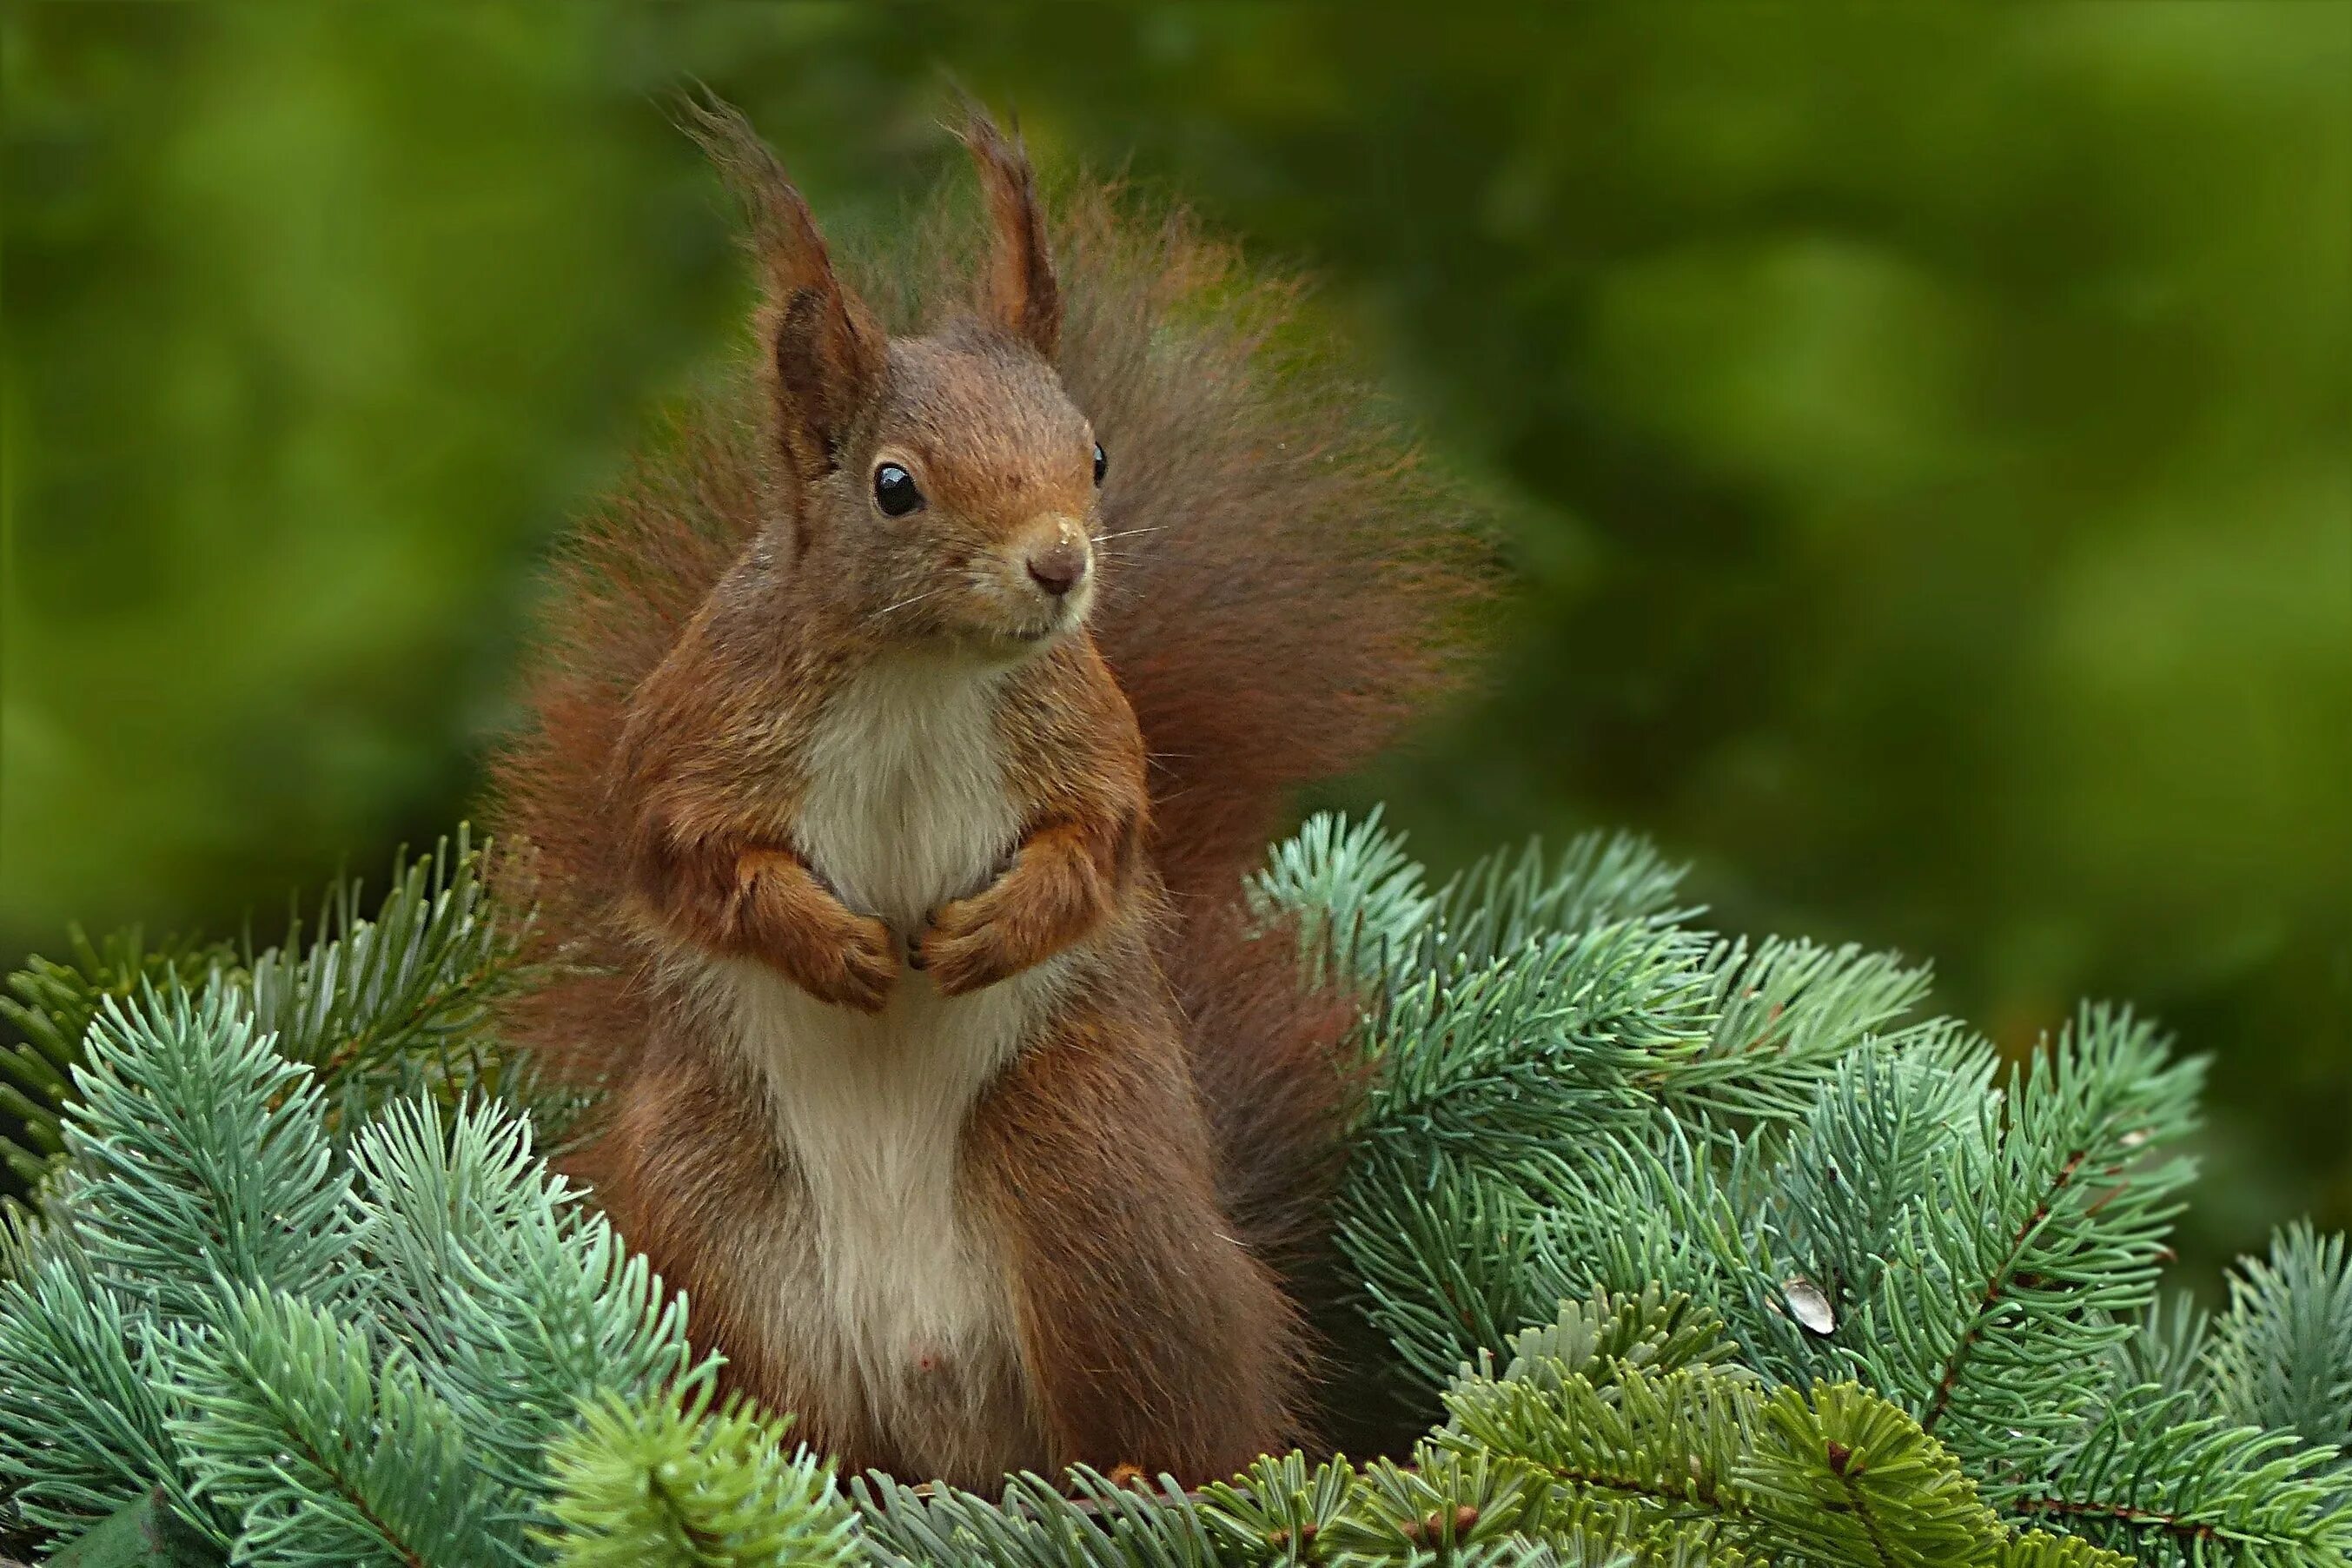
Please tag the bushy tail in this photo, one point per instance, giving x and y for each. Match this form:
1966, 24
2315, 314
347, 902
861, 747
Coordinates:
1283, 590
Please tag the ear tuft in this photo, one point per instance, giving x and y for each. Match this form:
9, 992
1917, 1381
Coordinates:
824, 353
1021, 294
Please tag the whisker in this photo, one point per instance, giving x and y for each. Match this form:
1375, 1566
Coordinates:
1125, 533
903, 603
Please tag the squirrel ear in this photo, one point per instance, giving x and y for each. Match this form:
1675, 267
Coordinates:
825, 352
1022, 296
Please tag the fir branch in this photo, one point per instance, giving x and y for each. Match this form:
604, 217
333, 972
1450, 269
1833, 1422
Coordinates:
1443, 1260
1604, 1337
53, 1006
1846, 1477
146, 1534
1511, 899
1628, 1406
1352, 895
2032, 1234
413, 987
1703, 1231
328, 1457
1570, 1090
380, 1007
2281, 1352
85, 1428
1360, 907
1684, 1450
2164, 1357
1787, 1014
1279, 1509
664, 1481
2039, 1548
1572, 1036
199, 1156
2152, 1479
1832, 1205
1665, 1441
1865, 1149
1446, 1506
518, 1302
1036, 1525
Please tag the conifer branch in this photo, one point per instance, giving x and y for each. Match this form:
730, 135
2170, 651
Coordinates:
1701, 1256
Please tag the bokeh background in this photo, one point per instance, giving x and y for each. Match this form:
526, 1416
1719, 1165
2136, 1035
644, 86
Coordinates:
1922, 436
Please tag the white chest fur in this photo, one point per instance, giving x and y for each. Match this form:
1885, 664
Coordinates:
906, 805
895, 1299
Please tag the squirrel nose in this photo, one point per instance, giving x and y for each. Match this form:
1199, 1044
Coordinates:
1057, 568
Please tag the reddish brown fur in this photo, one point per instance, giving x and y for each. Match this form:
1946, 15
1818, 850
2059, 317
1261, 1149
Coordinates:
1070, 876
1277, 583
1155, 1340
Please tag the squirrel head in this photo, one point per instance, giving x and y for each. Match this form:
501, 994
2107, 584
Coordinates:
940, 489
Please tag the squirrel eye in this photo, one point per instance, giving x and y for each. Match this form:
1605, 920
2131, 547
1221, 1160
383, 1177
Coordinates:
1101, 463
894, 492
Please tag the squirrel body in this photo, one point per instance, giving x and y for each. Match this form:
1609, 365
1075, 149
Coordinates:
909, 807
943, 1073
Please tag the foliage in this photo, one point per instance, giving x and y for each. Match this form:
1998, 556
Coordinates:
2283, 1352
53, 1006
383, 1006
1620, 1433
1858, 1194
322, 1354
672, 1481
1686, 1253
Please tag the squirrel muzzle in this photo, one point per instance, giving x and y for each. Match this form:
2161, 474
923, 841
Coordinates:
1054, 560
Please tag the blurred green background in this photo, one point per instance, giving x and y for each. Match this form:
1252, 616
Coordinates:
1923, 433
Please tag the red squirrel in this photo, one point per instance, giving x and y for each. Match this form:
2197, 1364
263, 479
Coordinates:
899, 743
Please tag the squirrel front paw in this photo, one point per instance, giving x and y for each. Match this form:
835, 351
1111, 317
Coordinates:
829, 951
866, 967
960, 949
